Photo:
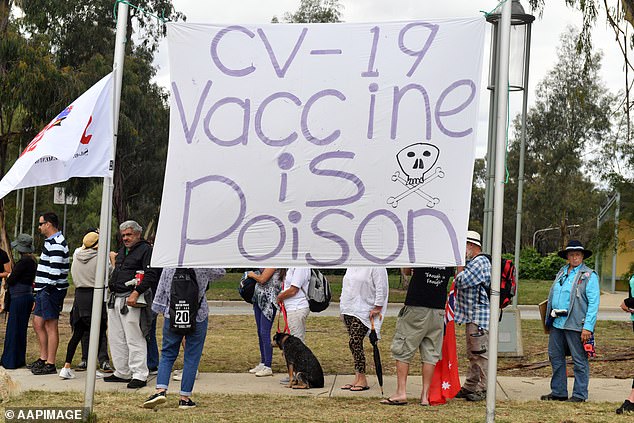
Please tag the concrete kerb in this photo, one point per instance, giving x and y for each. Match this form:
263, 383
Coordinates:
509, 388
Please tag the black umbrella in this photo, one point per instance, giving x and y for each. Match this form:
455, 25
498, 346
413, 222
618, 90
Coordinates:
374, 339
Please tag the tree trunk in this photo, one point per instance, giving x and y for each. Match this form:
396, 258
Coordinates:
5, 10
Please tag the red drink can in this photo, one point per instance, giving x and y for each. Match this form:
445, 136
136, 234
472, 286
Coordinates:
139, 276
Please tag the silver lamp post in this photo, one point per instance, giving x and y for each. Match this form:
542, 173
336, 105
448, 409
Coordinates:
510, 331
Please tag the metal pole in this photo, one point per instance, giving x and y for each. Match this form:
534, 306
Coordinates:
64, 225
22, 211
106, 215
520, 179
17, 213
617, 212
490, 157
33, 220
498, 203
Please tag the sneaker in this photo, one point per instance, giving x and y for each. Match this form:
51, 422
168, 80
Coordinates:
154, 371
82, 366
626, 407
37, 363
179, 376
185, 404
66, 373
257, 368
114, 378
136, 384
266, 371
106, 368
46, 369
575, 399
285, 381
476, 396
462, 393
154, 400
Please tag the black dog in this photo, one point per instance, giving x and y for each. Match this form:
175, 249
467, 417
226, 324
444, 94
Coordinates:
301, 361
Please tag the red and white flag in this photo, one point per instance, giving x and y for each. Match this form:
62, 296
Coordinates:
76, 143
445, 383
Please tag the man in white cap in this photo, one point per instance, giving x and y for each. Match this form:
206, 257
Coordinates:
472, 285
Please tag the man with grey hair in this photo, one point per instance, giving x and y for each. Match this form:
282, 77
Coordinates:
126, 317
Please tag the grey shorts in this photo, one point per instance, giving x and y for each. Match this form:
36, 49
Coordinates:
418, 328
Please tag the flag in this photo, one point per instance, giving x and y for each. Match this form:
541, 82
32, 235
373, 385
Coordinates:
445, 383
76, 143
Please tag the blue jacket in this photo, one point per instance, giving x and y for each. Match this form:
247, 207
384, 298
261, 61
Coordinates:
584, 299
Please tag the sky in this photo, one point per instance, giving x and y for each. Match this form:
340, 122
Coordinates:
545, 34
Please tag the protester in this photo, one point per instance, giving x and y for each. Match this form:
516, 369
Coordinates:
573, 303
293, 296
128, 323
269, 285
51, 284
473, 309
83, 271
194, 344
364, 294
628, 306
420, 326
20, 289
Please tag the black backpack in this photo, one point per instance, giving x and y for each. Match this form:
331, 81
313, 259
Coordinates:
184, 301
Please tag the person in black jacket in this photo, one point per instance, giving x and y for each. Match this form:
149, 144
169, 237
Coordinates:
20, 283
126, 311
628, 306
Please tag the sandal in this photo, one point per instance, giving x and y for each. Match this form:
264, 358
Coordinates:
347, 386
359, 388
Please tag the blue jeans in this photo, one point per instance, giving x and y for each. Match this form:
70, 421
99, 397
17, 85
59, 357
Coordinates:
557, 343
194, 344
152, 346
264, 335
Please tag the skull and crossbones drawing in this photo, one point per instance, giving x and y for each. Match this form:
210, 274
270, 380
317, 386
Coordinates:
416, 162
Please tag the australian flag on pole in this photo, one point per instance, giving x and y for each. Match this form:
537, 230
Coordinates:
446, 381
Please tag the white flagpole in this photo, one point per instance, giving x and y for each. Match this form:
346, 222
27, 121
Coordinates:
501, 86
106, 215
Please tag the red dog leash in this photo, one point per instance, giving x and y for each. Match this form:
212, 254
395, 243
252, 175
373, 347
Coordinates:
286, 329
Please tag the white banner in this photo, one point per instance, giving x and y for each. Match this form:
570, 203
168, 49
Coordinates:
323, 145
76, 143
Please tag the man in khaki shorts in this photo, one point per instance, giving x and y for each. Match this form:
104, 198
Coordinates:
420, 326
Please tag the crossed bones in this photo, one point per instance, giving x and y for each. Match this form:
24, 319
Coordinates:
431, 201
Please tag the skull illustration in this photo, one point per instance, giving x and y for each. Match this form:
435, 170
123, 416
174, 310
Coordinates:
416, 160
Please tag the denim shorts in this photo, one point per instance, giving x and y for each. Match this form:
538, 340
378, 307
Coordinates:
49, 302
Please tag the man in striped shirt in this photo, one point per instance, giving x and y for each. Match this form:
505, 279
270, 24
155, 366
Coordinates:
51, 284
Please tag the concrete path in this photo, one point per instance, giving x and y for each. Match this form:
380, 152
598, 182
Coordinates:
509, 388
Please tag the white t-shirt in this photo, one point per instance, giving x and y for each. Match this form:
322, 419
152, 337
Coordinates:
298, 277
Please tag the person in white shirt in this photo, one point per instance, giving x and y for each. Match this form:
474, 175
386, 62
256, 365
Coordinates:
293, 296
364, 295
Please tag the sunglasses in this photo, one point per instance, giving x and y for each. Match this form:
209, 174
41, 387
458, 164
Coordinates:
41, 223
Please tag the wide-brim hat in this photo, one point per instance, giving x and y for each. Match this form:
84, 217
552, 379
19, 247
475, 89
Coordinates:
574, 245
23, 243
474, 238
91, 239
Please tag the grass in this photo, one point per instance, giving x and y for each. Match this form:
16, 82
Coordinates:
226, 289
232, 347
126, 407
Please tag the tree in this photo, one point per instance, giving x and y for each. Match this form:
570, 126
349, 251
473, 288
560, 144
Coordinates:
82, 35
315, 11
571, 115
